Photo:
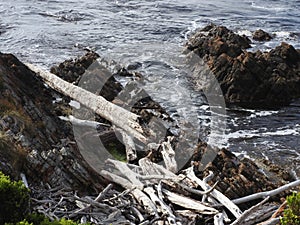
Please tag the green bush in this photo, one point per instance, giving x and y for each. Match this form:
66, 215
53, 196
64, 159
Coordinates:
14, 206
14, 200
41, 220
291, 215
38, 219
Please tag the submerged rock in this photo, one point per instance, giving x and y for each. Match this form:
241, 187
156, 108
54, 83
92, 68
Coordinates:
248, 79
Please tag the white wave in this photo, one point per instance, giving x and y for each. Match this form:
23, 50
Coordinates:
245, 32
223, 140
268, 7
262, 113
258, 133
242, 154
282, 132
282, 34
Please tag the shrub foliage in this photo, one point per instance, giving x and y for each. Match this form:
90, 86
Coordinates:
14, 199
291, 215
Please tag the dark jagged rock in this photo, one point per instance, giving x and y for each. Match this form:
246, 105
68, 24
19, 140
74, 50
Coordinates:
214, 40
247, 79
236, 177
71, 70
260, 35
33, 139
74, 69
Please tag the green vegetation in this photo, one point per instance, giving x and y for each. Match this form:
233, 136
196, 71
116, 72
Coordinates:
14, 206
117, 153
14, 198
36, 219
291, 215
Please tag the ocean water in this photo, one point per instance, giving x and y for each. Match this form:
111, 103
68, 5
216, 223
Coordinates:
46, 32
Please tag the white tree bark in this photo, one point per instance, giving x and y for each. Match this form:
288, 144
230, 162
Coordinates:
169, 156
129, 145
234, 209
189, 203
122, 118
267, 193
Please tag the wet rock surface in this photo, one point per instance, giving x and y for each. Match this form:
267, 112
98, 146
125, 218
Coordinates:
248, 79
260, 35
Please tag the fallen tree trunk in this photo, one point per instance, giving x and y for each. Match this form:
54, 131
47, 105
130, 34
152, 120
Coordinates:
119, 116
267, 193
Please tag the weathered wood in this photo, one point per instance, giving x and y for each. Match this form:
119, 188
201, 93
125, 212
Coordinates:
189, 203
145, 201
97, 199
160, 205
215, 193
261, 214
272, 221
116, 179
218, 219
127, 172
129, 145
137, 213
119, 116
169, 156
24, 180
79, 122
279, 210
267, 193
150, 168
241, 219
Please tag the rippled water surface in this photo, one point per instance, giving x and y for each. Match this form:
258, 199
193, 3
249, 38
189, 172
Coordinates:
153, 33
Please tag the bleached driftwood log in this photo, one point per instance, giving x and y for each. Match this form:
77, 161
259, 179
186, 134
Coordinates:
263, 213
234, 209
272, 221
189, 203
161, 205
241, 219
169, 156
150, 168
218, 219
267, 193
117, 115
79, 122
129, 145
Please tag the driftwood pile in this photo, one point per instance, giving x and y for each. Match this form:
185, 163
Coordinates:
154, 195
150, 192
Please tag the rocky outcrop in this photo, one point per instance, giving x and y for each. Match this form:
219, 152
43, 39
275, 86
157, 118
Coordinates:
261, 35
236, 177
248, 79
72, 71
33, 139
